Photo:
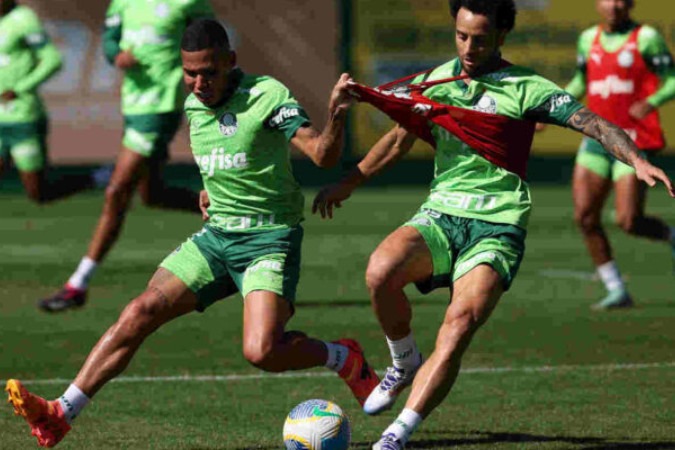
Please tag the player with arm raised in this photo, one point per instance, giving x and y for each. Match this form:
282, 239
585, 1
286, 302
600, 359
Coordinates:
470, 232
626, 72
240, 128
28, 59
142, 39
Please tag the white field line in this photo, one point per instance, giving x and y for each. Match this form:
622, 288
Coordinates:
313, 374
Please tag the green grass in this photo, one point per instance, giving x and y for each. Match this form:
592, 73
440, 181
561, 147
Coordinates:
589, 399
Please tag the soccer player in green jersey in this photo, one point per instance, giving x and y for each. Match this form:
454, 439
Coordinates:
141, 38
240, 128
470, 232
626, 72
28, 59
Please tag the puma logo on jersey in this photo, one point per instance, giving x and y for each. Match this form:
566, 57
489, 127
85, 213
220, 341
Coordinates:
611, 85
219, 160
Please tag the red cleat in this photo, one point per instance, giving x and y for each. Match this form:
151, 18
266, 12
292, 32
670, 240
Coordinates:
46, 419
358, 375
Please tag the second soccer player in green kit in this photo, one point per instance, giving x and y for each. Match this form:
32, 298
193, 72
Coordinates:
240, 127
142, 39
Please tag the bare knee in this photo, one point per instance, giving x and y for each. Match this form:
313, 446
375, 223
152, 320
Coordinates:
141, 316
627, 222
117, 197
587, 221
456, 332
261, 354
380, 275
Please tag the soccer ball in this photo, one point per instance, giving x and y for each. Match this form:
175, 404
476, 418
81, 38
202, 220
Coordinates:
317, 425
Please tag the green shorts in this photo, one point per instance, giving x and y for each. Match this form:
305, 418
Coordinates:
593, 156
215, 264
150, 134
26, 143
459, 244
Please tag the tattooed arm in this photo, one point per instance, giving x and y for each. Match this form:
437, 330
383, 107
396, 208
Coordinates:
617, 142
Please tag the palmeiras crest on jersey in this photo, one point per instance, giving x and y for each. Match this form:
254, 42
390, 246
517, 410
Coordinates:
228, 124
486, 104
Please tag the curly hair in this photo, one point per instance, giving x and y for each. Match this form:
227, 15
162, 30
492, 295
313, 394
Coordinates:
503, 11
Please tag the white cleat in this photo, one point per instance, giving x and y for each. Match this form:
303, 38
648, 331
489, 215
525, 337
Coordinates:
388, 442
384, 395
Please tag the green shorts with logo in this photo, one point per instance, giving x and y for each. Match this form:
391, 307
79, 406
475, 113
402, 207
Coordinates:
459, 244
26, 143
215, 264
150, 134
593, 156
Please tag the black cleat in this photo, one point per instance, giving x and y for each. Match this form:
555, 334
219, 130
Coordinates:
66, 298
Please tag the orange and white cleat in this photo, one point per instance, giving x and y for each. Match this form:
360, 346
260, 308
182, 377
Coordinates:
45, 418
358, 375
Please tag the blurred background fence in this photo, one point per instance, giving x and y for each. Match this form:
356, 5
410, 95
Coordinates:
307, 44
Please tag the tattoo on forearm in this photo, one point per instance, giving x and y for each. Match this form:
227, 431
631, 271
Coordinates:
613, 138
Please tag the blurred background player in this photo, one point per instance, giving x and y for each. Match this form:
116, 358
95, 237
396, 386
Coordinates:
142, 39
240, 128
626, 72
28, 58
470, 232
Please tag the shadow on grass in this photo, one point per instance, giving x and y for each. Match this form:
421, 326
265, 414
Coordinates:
488, 439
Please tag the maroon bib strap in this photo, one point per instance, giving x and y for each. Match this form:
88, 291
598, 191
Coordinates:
501, 140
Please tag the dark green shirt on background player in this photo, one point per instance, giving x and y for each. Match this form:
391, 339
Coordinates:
240, 129
142, 39
28, 58
470, 232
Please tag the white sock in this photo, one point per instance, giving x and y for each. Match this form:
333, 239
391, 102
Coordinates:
610, 276
72, 402
80, 279
404, 352
404, 425
337, 356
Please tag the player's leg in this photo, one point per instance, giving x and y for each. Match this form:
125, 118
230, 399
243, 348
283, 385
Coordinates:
156, 133
475, 296
117, 200
631, 196
30, 157
412, 253
156, 193
165, 298
591, 183
266, 267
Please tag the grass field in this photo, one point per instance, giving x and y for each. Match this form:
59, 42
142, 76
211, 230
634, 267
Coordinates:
544, 373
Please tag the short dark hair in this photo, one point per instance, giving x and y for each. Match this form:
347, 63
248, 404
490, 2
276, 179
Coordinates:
204, 34
503, 11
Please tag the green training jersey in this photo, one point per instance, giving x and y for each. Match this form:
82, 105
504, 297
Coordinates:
242, 150
152, 31
466, 184
651, 45
27, 59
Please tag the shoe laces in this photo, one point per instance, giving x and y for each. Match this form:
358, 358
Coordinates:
390, 442
392, 378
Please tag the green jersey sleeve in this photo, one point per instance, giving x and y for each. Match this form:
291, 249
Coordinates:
658, 58
48, 56
544, 101
287, 116
112, 31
